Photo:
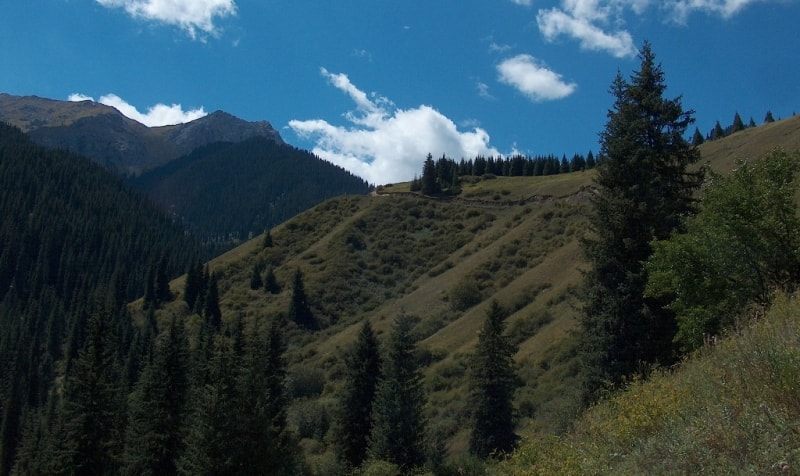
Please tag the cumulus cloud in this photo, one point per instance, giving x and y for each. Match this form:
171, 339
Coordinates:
196, 17
598, 25
534, 79
158, 115
583, 20
384, 143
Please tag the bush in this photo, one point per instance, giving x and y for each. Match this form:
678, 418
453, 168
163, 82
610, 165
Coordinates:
464, 295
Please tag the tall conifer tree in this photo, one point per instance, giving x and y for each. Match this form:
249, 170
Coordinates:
398, 423
363, 365
157, 407
492, 385
644, 191
299, 311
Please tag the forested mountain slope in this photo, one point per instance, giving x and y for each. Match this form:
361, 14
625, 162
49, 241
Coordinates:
74, 240
227, 192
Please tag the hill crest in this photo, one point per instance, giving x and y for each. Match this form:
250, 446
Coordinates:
106, 136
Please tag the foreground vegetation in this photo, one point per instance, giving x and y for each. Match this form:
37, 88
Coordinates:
732, 407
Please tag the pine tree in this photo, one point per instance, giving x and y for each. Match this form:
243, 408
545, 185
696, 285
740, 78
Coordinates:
590, 162
157, 407
738, 124
362, 371
768, 118
162, 291
718, 132
697, 138
430, 185
255, 277
267, 241
492, 385
193, 286
644, 191
299, 311
211, 311
89, 439
211, 437
270, 282
398, 423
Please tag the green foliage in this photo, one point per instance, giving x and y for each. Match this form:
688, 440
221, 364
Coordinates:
492, 384
74, 240
644, 190
731, 409
299, 309
398, 422
429, 182
91, 417
743, 244
156, 410
255, 277
226, 192
354, 420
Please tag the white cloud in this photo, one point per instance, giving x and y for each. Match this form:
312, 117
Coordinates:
534, 79
158, 115
196, 17
579, 19
598, 25
483, 89
526, 3
679, 10
385, 144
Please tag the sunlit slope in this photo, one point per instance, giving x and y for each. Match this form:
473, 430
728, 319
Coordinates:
442, 261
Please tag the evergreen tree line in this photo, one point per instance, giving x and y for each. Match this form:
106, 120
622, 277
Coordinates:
380, 416
444, 173
73, 239
718, 132
216, 407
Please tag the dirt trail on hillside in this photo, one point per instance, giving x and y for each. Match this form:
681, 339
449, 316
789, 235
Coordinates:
582, 195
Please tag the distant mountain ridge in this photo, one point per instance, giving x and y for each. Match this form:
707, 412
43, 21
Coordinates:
106, 136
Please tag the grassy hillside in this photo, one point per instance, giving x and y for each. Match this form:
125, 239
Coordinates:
733, 408
515, 240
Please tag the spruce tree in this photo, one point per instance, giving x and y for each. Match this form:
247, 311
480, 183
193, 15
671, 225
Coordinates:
697, 138
89, 436
162, 291
194, 285
157, 407
492, 384
267, 241
211, 311
270, 282
429, 183
398, 422
362, 371
644, 191
718, 132
768, 117
299, 311
211, 436
255, 277
738, 124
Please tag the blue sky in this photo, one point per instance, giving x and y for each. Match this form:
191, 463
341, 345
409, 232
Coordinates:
374, 85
